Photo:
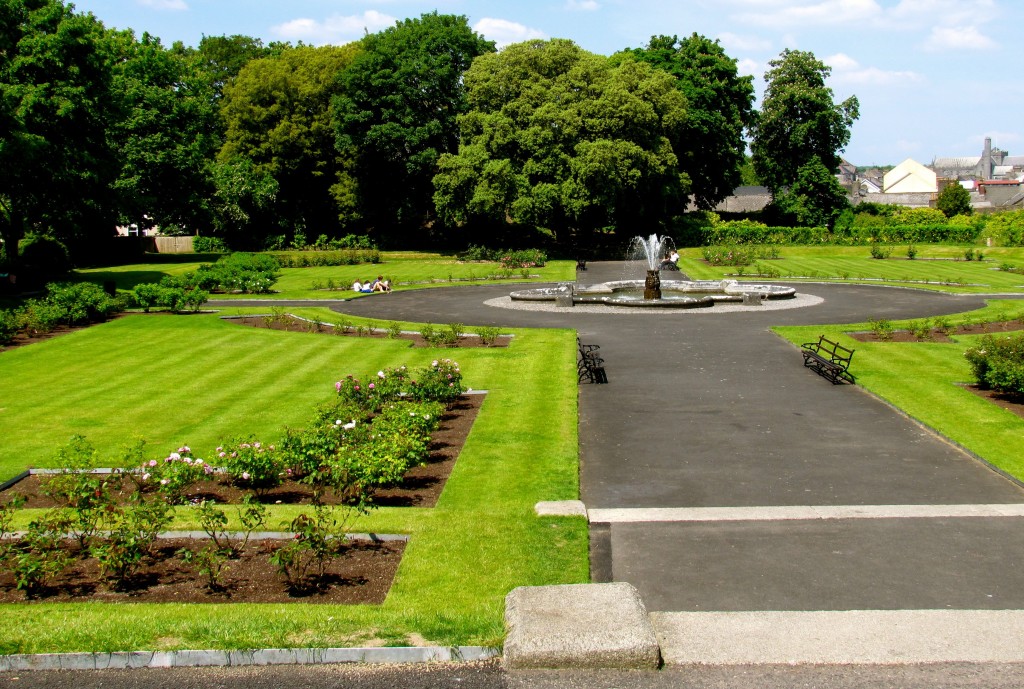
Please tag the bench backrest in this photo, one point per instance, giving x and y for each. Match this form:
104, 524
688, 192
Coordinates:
836, 351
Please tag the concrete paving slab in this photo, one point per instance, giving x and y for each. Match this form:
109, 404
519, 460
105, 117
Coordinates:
578, 626
560, 508
973, 563
841, 637
798, 513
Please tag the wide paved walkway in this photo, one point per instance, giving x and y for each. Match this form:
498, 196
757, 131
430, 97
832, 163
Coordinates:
723, 478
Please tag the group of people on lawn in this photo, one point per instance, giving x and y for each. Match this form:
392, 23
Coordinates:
378, 285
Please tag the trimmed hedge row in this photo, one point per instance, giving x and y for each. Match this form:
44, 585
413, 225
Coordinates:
745, 232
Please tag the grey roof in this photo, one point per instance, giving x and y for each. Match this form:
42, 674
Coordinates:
956, 162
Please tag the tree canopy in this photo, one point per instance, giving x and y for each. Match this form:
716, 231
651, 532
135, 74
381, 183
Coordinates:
165, 135
799, 120
56, 167
954, 200
815, 199
278, 115
565, 140
709, 144
397, 111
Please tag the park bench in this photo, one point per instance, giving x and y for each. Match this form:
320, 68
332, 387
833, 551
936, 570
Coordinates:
830, 359
589, 364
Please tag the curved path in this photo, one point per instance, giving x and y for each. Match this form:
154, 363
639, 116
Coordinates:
720, 475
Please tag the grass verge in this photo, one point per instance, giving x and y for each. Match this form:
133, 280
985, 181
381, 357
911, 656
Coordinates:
198, 379
421, 270
936, 267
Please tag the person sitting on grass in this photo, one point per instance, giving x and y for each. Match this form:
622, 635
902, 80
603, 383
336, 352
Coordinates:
381, 285
367, 287
357, 286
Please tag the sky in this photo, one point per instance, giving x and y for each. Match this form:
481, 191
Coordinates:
933, 77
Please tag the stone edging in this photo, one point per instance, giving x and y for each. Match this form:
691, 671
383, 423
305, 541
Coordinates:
259, 657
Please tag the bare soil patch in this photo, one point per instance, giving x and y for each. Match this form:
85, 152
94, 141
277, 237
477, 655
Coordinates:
297, 325
937, 335
1009, 401
420, 487
361, 575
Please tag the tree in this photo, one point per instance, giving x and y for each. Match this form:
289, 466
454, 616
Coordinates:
954, 200
55, 104
798, 120
397, 113
243, 203
816, 199
566, 140
278, 115
165, 135
710, 143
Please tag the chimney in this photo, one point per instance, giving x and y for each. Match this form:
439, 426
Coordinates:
986, 159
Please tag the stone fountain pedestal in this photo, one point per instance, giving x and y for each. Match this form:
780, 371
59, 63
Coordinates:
652, 286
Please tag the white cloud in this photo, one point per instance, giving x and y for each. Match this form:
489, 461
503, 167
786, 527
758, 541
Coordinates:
165, 4
802, 13
736, 42
749, 68
586, 5
846, 70
337, 29
945, 38
503, 32
946, 12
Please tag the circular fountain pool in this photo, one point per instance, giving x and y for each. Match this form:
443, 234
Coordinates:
675, 294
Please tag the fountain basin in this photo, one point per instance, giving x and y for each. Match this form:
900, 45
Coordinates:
675, 294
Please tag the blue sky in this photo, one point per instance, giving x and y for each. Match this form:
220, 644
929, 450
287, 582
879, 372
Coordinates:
934, 77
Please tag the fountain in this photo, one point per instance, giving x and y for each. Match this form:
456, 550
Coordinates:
653, 292
650, 251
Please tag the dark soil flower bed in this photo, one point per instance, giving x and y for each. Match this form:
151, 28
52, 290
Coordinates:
361, 575
421, 486
1005, 400
297, 325
938, 335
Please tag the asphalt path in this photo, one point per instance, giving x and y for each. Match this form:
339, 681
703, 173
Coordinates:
490, 676
711, 409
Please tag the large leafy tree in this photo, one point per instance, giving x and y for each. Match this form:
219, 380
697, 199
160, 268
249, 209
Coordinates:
165, 135
954, 200
278, 115
799, 120
710, 143
815, 199
397, 113
566, 140
56, 166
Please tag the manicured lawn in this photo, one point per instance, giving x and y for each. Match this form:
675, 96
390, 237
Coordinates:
197, 379
922, 379
312, 283
855, 264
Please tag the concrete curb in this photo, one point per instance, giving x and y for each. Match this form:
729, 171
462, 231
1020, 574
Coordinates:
591, 626
270, 656
876, 637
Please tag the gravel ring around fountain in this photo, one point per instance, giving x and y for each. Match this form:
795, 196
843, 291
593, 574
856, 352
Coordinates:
800, 301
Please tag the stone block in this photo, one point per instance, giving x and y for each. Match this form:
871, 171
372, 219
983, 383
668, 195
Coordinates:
579, 626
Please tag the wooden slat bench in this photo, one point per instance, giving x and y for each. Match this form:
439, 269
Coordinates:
830, 359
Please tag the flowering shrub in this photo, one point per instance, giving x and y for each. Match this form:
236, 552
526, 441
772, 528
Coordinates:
524, 258
248, 462
439, 382
318, 539
173, 475
998, 363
